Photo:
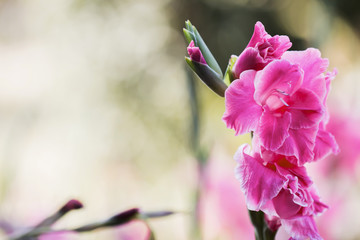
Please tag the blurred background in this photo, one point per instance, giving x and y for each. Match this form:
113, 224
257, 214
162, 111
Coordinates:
96, 104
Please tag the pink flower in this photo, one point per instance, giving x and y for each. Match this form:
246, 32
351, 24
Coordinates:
274, 185
346, 130
195, 53
63, 235
222, 207
283, 104
261, 50
134, 230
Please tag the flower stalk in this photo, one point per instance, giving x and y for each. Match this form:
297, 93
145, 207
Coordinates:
44, 227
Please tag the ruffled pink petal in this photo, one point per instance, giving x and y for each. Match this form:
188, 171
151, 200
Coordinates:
275, 45
301, 228
259, 183
279, 45
259, 35
306, 109
313, 65
195, 53
284, 168
329, 76
273, 130
279, 78
241, 112
318, 206
325, 144
248, 59
285, 206
300, 144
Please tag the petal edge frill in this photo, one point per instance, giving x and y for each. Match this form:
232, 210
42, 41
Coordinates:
301, 228
300, 144
259, 183
241, 111
324, 145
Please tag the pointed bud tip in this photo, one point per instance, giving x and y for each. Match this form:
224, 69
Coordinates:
71, 205
126, 215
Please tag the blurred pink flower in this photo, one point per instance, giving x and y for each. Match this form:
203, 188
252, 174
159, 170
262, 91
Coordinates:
63, 235
283, 104
195, 53
222, 206
279, 188
260, 51
336, 176
134, 230
346, 130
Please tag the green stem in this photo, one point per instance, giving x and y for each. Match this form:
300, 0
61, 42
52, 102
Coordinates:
262, 231
257, 220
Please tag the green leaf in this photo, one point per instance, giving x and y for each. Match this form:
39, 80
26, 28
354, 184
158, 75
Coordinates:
188, 35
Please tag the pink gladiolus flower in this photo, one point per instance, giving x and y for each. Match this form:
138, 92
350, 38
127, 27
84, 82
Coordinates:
283, 104
261, 50
195, 53
274, 185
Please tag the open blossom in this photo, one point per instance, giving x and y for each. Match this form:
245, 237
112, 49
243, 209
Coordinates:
283, 104
261, 50
281, 189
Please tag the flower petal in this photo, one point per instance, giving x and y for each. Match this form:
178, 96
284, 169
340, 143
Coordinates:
259, 183
273, 130
241, 111
278, 78
285, 205
313, 65
284, 167
305, 108
325, 144
318, 206
300, 144
248, 59
301, 228
279, 45
259, 35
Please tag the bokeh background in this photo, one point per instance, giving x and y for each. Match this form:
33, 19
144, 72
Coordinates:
96, 104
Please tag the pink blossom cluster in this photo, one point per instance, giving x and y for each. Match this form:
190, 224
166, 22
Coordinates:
280, 96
